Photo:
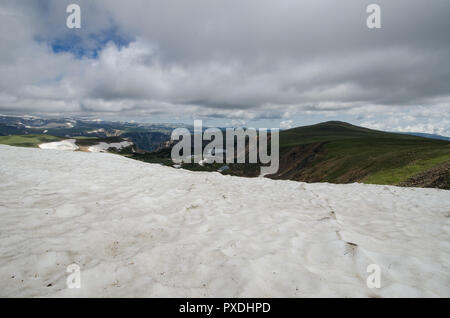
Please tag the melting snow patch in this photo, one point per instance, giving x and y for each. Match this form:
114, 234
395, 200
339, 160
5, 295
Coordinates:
103, 146
68, 144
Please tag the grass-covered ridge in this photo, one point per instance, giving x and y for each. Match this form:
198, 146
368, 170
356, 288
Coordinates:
402, 174
27, 140
349, 153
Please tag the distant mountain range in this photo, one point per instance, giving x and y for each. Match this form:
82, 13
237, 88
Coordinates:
432, 136
146, 137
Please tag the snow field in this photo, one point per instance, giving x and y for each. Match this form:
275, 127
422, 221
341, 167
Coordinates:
137, 229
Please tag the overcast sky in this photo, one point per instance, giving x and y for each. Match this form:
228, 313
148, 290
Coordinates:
259, 63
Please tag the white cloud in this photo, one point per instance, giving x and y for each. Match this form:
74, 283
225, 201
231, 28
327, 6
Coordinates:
286, 124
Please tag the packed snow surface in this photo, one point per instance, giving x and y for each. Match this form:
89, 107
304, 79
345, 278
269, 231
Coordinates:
68, 144
137, 229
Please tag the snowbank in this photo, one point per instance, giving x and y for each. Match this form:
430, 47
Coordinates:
137, 229
68, 144
103, 146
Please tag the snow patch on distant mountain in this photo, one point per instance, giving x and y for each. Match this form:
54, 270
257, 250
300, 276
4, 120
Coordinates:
137, 229
103, 146
70, 145
67, 145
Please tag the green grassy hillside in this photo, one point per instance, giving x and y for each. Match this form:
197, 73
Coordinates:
27, 140
345, 153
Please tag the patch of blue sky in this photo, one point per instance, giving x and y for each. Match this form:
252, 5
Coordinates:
89, 45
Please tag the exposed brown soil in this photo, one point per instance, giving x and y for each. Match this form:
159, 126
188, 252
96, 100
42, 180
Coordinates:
296, 163
306, 163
